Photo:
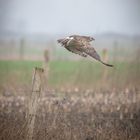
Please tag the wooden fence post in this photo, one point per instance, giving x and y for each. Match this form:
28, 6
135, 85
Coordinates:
34, 100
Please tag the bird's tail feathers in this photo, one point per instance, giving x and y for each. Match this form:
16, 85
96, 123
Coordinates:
109, 65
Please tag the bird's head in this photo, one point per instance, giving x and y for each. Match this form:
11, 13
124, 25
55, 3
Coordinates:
63, 41
91, 38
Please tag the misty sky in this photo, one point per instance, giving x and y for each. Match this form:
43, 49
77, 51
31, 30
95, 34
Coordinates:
70, 16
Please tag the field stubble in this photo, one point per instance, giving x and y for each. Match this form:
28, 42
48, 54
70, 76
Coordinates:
78, 116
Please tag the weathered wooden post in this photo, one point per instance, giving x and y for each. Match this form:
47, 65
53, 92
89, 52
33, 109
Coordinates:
22, 49
105, 58
34, 100
46, 65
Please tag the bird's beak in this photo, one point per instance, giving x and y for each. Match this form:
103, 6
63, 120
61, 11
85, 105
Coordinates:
91, 39
59, 40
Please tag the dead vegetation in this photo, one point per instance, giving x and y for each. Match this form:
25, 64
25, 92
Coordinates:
75, 116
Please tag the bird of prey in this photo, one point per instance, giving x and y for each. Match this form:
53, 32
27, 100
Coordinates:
81, 45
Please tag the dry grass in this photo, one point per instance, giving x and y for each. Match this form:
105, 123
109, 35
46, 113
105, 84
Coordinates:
89, 102
84, 115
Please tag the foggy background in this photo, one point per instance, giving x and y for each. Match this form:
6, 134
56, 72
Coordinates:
26, 22
70, 16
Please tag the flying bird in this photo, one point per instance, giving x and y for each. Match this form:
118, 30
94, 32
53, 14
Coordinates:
81, 45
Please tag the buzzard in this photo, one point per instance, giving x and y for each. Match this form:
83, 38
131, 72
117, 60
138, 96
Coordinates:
81, 45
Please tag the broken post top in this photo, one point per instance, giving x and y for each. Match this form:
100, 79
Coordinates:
39, 69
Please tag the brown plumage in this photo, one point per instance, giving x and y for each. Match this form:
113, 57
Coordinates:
81, 45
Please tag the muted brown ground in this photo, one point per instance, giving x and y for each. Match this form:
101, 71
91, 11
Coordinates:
84, 115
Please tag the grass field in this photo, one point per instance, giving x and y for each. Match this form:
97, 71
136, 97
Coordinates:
72, 73
82, 100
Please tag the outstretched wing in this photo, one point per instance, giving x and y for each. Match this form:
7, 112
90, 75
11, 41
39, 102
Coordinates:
74, 50
92, 52
82, 38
